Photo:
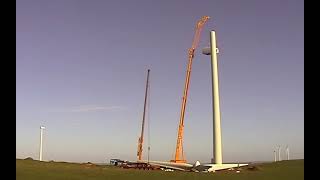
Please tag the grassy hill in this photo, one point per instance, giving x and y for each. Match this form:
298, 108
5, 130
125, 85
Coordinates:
36, 170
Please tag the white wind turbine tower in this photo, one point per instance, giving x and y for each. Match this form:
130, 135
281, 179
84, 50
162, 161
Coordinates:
41, 139
279, 153
287, 152
275, 155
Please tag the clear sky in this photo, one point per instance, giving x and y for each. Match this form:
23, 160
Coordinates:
81, 71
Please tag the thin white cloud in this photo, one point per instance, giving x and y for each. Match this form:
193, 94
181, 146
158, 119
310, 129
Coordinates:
96, 108
86, 108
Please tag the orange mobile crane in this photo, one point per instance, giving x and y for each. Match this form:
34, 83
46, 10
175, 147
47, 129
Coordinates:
140, 141
179, 156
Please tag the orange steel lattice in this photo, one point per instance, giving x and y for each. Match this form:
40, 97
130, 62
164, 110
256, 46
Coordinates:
179, 155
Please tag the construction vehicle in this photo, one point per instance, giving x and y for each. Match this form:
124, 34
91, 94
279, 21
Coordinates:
179, 154
140, 141
116, 162
139, 165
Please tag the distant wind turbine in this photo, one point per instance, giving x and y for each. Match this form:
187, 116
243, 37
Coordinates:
279, 153
41, 140
287, 152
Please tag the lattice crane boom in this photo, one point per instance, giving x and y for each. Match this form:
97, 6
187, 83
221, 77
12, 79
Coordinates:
179, 154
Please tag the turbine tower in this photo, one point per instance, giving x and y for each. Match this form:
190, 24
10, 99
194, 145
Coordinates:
275, 155
41, 139
217, 145
279, 153
217, 140
287, 152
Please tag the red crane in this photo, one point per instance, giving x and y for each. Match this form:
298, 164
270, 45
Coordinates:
140, 141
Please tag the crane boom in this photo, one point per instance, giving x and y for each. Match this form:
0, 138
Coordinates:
179, 155
140, 141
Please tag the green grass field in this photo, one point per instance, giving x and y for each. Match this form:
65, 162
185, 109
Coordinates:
35, 170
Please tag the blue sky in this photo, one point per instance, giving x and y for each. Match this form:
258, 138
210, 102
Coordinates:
81, 71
